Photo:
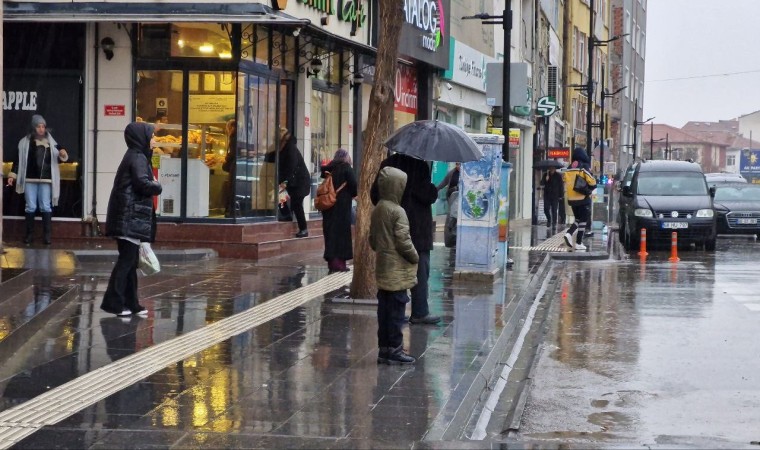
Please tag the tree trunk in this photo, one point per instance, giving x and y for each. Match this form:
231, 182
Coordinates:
379, 127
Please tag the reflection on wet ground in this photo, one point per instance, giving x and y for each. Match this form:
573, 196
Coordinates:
649, 352
306, 378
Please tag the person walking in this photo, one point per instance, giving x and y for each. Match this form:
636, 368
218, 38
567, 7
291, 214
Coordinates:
395, 264
419, 195
231, 207
450, 181
336, 221
36, 174
579, 200
131, 218
554, 190
293, 176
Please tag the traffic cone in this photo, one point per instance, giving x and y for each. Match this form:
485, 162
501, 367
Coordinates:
674, 247
643, 243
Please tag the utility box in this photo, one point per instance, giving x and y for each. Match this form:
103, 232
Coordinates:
478, 221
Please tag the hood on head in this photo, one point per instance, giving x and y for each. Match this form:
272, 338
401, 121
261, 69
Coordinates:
137, 135
391, 183
580, 154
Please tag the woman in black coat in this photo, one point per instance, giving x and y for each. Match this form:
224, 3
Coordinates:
293, 175
336, 221
131, 218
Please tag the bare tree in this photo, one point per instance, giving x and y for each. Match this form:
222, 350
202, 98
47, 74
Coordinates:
379, 127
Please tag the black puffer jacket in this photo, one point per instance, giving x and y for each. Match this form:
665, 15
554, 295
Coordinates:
419, 195
292, 168
130, 207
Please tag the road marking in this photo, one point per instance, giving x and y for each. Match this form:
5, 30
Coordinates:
66, 400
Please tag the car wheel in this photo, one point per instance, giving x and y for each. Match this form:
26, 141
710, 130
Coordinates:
710, 245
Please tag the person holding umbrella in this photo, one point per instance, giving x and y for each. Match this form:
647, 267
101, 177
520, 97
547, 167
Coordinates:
554, 190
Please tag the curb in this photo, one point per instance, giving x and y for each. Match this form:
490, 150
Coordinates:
192, 254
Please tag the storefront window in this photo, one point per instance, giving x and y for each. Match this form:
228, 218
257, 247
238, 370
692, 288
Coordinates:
325, 123
200, 40
201, 146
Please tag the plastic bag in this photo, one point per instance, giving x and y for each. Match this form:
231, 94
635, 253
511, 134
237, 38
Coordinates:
148, 264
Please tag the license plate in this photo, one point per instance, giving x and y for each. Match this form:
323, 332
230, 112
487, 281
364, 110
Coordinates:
747, 222
675, 225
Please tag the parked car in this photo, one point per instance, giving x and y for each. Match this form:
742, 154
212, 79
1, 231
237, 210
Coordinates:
662, 197
716, 178
737, 206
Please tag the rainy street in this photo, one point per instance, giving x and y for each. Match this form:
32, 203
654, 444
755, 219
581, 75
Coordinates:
650, 353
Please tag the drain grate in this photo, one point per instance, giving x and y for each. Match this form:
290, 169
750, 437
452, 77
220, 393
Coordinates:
57, 404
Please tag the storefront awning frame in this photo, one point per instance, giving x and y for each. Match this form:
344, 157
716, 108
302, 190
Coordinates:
145, 12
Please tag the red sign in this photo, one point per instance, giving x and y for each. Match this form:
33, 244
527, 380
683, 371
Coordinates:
306, 121
558, 152
114, 110
406, 89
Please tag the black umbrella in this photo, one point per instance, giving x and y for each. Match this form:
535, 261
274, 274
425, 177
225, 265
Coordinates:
547, 163
431, 140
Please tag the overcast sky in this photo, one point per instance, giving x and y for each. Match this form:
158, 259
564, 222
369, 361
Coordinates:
692, 40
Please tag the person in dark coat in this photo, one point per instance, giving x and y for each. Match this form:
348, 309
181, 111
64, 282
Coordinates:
419, 195
293, 176
230, 166
131, 218
336, 221
554, 190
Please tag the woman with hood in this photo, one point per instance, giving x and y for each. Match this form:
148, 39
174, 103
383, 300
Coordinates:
293, 176
131, 218
336, 221
579, 200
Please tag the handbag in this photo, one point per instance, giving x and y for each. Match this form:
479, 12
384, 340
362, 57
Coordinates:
148, 263
580, 185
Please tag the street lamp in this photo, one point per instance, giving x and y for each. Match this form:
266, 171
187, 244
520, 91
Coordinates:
506, 21
636, 124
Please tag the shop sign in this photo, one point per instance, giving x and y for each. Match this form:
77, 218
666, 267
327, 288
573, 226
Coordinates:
114, 110
514, 137
425, 34
352, 11
467, 66
406, 90
558, 152
210, 108
749, 162
20, 100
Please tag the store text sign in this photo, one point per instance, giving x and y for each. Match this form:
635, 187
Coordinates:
558, 152
20, 100
406, 90
425, 34
468, 66
114, 110
352, 11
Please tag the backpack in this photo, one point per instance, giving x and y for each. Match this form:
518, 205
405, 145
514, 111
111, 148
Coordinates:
327, 195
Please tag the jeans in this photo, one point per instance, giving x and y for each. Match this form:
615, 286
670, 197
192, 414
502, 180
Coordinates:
38, 196
551, 210
390, 317
420, 290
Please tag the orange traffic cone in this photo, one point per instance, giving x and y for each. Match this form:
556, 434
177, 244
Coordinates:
674, 247
643, 243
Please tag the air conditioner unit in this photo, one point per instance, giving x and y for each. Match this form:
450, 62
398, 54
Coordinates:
552, 87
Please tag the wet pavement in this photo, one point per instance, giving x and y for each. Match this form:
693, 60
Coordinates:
651, 353
302, 375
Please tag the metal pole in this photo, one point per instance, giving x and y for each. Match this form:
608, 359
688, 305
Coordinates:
667, 146
635, 125
651, 140
590, 82
507, 23
602, 126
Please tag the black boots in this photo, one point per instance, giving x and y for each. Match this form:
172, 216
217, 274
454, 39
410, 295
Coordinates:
29, 228
394, 356
47, 225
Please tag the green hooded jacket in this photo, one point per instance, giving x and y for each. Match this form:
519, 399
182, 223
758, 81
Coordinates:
396, 262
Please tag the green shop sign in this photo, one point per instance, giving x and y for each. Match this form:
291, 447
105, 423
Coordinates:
353, 11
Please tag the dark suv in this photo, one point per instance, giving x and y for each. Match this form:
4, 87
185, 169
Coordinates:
666, 196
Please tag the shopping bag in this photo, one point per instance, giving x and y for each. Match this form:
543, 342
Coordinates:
284, 213
148, 264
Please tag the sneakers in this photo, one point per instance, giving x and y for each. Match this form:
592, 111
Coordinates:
580, 247
141, 311
427, 320
394, 356
124, 313
569, 239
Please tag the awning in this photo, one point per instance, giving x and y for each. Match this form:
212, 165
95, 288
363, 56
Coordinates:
145, 12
